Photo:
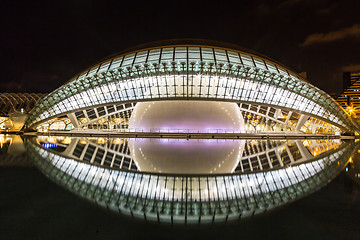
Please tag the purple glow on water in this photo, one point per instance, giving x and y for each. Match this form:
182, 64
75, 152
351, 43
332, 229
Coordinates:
182, 155
186, 156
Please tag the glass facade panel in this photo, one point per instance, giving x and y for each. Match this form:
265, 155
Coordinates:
122, 82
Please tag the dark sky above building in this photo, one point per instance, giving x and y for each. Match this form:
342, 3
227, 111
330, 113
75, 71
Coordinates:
44, 43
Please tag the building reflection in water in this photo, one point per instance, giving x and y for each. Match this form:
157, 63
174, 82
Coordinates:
352, 168
12, 151
265, 175
189, 156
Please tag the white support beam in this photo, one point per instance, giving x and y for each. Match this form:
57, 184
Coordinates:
289, 153
302, 120
71, 147
303, 151
288, 117
86, 116
73, 120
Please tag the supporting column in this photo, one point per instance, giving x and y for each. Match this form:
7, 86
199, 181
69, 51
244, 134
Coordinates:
278, 156
73, 120
278, 114
70, 149
303, 150
268, 158
84, 151
86, 116
96, 113
103, 157
289, 153
302, 120
288, 117
94, 154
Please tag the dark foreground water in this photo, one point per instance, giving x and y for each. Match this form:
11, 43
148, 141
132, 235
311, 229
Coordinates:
33, 207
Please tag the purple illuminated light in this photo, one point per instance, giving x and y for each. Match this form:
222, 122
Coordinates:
187, 116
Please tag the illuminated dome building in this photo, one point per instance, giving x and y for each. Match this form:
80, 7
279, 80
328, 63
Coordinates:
104, 95
172, 133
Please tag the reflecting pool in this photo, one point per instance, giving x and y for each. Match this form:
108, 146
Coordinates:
216, 180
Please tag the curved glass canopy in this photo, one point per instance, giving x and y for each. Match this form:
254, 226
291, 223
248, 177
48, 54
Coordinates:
14, 107
190, 72
11, 102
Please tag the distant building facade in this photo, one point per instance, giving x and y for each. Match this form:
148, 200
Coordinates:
350, 96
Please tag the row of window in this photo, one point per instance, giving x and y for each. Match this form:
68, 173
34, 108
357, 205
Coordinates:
212, 87
175, 198
185, 88
187, 54
117, 158
257, 155
263, 155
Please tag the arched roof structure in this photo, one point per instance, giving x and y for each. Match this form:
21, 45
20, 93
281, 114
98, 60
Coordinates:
10, 102
189, 71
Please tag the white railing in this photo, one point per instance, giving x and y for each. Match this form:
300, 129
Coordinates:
157, 130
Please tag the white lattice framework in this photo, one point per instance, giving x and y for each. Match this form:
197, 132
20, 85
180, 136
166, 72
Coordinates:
190, 72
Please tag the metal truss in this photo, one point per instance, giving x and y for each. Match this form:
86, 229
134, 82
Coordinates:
190, 72
265, 155
257, 155
258, 118
10, 102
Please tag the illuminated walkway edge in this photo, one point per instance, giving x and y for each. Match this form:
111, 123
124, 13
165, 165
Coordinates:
261, 135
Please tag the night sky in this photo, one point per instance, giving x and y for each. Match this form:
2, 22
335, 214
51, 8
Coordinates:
43, 44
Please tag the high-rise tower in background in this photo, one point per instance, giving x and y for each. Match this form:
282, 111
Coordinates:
349, 99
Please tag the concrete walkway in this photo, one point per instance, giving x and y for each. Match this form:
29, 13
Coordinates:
263, 135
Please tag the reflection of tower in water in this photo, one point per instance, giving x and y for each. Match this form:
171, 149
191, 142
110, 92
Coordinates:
352, 170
